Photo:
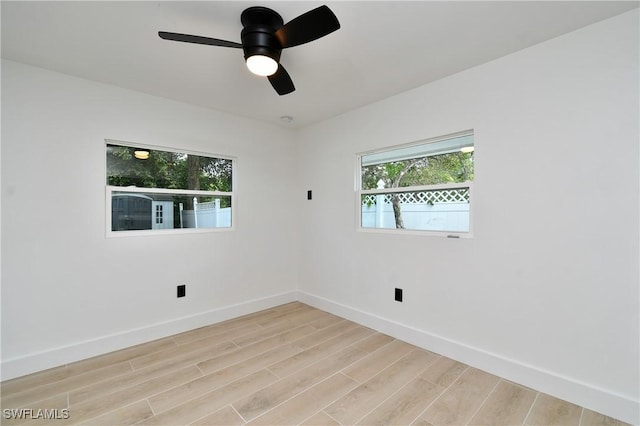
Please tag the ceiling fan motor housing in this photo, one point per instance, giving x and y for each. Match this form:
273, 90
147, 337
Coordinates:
258, 35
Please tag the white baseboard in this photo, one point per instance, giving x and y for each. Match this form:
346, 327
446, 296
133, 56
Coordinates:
39, 361
584, 394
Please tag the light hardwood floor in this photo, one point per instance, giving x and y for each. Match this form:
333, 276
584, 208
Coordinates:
292, 364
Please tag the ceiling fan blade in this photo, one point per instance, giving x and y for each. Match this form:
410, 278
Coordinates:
307, 27
197, 39
281, 81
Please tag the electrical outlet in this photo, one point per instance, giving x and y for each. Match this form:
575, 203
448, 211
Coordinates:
182, 290
398, 295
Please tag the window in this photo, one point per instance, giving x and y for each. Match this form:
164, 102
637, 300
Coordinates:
423, 187
159, 218
151, 189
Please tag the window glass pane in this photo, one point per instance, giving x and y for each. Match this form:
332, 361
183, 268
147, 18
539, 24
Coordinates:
445, 161
439, 173
428, 210
138, 211
152, 168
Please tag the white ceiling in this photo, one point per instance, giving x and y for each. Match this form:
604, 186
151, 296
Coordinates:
383, 47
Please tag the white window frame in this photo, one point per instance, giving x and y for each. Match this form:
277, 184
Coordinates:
359, 192
110, 189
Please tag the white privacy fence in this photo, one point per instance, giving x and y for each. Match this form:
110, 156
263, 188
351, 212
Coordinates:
206, 215
456, 195
436, 210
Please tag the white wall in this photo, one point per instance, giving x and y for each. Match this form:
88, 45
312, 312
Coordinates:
552, 304
67, 291
545, 296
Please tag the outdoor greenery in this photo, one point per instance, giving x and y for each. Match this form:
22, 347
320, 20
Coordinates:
453, 167
170, 170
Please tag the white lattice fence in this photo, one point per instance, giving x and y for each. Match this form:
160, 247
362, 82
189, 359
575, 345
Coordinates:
457, 195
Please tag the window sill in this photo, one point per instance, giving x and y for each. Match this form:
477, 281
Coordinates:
165, 232
416, 232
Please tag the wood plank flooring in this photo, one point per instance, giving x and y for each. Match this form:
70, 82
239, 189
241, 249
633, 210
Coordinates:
290, 365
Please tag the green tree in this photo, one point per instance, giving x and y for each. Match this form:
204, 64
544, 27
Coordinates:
172, 170
123, 169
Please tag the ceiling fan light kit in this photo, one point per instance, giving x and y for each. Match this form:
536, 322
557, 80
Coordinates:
262, 65
264, 35
261, 47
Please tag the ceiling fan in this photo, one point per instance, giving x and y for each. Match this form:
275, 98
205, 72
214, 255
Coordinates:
264, 35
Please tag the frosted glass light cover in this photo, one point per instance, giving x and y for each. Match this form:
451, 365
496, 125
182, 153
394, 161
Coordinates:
262, 65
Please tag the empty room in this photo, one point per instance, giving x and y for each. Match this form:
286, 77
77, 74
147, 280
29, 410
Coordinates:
305, 213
